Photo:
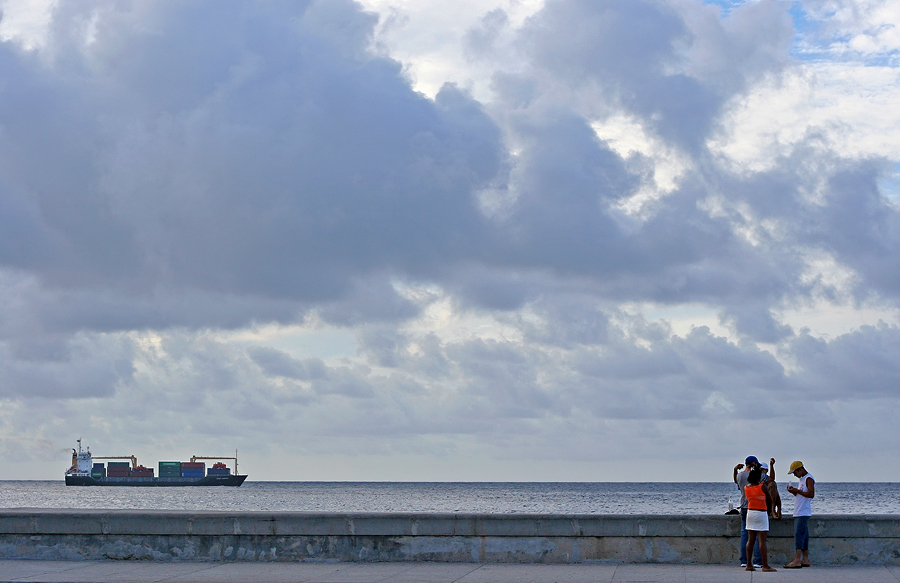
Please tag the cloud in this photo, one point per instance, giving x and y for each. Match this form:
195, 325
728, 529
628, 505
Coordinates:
54, 367
860, 363
195, 200
852, 28
271, 134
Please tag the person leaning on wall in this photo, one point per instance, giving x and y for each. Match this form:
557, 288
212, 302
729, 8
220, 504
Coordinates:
803, 495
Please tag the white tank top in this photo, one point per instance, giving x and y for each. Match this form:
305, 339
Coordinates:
802, 504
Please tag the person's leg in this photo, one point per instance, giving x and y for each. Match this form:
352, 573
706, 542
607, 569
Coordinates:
757, 555
743, 537
796, 561
764, 550
801, 532
751, 542
803, 543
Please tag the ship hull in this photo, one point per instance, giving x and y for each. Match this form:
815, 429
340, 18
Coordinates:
228, 480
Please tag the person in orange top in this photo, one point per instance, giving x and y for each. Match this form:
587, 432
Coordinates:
758, 503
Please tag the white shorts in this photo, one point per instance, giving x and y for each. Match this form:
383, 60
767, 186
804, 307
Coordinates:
757, 520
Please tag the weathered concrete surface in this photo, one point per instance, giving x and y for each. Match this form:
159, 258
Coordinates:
289, 536
276, 572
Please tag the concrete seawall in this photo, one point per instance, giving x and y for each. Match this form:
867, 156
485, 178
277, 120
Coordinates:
506, 538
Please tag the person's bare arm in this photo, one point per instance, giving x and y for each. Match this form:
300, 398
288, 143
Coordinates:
737, 468
772, 469
810, 488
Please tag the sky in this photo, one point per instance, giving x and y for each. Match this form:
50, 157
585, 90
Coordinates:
487, 240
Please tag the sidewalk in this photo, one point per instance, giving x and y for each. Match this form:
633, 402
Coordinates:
147, 572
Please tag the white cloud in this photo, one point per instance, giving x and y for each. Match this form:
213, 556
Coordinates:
26, 21
429, 38
861, 28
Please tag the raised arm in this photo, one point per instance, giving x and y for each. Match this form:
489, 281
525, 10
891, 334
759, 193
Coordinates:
772, 469
737, 468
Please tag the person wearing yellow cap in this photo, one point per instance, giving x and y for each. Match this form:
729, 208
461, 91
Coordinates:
803, 495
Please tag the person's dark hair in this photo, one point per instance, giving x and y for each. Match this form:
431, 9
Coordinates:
754, 476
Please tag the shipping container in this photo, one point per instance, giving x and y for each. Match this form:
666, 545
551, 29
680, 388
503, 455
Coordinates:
118, 464
193, 469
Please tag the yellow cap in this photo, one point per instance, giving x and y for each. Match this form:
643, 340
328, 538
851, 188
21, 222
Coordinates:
796, 466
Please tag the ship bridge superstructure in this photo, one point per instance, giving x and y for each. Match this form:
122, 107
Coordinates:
82, 461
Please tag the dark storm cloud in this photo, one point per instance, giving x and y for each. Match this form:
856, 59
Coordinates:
257, 151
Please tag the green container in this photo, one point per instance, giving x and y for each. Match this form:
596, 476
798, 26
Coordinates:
118, 464
96, 475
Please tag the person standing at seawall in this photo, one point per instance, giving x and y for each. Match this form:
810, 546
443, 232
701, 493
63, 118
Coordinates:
740, 478
758, 505
803, 496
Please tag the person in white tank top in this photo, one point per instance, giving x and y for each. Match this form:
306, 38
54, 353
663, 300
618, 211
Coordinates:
803, 495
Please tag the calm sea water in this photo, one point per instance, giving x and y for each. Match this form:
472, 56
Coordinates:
493, 497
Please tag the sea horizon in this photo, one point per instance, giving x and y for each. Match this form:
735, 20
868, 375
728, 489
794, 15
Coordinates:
452, 497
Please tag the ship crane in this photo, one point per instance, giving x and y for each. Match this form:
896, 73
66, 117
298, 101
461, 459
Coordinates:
213, 457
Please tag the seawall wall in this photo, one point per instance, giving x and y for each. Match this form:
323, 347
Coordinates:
508, 538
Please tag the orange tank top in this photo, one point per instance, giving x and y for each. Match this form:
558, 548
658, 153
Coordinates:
756, 498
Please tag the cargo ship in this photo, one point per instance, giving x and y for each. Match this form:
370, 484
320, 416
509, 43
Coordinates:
86, 472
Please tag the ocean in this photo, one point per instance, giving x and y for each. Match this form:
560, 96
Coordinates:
464, 497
